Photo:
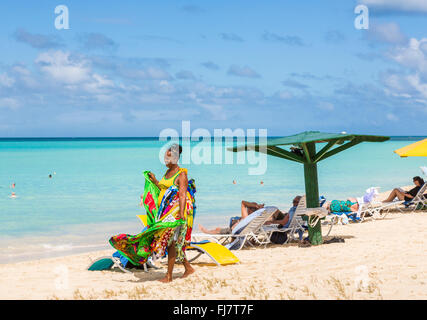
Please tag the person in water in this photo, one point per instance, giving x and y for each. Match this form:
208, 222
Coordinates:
178, 177
406, 195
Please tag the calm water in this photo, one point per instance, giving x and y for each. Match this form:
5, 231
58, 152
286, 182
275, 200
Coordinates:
97, 186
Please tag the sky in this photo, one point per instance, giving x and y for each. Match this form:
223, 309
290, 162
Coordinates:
134, 68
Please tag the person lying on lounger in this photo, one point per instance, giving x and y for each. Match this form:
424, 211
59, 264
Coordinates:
350, 205
246, 209
278, 218
406, 195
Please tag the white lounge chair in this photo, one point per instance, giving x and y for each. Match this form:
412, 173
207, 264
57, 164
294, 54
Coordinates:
418, 201
295, 225
244, 232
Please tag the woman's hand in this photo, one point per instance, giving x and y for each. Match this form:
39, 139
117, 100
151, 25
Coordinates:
153, 178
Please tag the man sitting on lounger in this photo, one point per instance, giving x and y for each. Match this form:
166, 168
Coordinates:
406, 195
279, 217
284, 219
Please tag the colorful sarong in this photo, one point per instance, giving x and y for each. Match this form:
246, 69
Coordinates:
155, 238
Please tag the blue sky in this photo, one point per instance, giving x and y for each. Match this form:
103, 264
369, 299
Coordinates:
133, 68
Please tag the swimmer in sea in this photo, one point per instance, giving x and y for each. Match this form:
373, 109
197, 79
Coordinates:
13, 195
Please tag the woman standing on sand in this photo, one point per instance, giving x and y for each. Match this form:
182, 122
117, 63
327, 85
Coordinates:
181, 235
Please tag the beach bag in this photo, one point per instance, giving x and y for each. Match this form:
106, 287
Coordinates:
279, 237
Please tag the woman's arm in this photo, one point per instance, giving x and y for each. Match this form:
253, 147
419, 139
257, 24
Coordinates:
153, 179
408, 195
281, 222
252, 204
182, 182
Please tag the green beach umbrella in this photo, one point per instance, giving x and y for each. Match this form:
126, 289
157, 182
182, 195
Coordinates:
307, 155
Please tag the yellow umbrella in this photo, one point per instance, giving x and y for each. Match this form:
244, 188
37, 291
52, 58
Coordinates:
417, 149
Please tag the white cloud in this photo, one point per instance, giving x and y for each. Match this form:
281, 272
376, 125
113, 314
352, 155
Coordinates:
392, 117
149, 73
9, 103
244, 71
413, 55
98, 84
327, 106
216, 111
60, 66
411, 83
397, 5
283, 95
6, 81
387, 32
21, 70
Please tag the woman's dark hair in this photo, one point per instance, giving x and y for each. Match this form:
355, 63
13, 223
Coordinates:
176, 147
420, 180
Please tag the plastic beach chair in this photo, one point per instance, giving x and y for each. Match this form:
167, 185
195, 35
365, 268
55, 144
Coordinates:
418, 202
248, 231
294, 226
218, 253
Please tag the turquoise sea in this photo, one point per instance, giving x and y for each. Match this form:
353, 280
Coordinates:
96, 185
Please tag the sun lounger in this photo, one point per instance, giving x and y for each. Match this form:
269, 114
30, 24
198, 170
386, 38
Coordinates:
247, 231
218, 253
295, 225
418, 202
113, 262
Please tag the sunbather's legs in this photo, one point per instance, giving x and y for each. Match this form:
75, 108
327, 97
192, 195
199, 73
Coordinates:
395, 193
213, 231
354, 207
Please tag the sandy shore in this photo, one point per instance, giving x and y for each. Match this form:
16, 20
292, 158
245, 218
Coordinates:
382, 259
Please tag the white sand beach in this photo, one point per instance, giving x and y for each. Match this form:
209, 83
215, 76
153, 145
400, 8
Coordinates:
381, 259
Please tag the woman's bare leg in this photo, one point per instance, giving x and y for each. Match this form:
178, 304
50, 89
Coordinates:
171, 263
395, 193
188, 268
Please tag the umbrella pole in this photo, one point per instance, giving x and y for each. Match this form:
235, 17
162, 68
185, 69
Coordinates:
312, 196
